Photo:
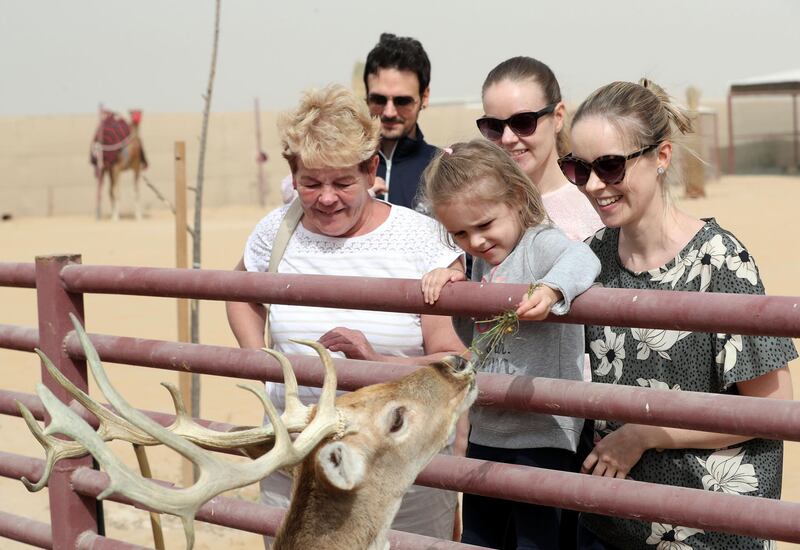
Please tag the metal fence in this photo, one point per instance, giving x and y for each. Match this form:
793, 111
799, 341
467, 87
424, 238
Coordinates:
61, 282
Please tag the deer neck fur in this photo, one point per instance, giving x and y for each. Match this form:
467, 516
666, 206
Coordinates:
341, 520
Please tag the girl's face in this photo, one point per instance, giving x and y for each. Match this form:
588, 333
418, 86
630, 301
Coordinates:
487, 229
638, 196
532, 153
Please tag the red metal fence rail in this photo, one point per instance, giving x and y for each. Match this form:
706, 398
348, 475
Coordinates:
753, 516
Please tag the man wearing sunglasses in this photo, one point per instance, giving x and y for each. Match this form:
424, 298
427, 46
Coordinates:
397, 77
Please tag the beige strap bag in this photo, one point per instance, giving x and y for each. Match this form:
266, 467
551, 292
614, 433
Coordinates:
285, 232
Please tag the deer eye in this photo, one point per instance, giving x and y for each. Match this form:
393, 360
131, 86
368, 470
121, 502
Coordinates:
397, 421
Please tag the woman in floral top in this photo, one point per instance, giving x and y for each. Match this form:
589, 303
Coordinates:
622, 138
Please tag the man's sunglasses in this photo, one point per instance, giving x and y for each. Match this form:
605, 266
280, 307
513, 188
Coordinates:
400, 101
522, 124
609, 168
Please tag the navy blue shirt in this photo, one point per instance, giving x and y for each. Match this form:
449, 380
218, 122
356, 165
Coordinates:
409, 159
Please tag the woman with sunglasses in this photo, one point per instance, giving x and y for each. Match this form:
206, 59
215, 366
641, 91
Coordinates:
524, 115
623, 138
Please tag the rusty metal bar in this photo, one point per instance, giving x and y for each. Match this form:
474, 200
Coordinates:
18, 338
251, 517
709, 510
744, 515
25, 530
232, 362
76, 514
15, 466
92, 541
8, 405
755, 416
674, 310
21, 275
760, 417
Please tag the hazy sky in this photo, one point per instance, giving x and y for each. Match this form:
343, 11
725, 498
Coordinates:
67, 56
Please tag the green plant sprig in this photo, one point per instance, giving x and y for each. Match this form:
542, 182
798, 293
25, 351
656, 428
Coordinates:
504, 325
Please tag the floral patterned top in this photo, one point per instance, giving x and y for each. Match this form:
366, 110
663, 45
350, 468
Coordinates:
713, 261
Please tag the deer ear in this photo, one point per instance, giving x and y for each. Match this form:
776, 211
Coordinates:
340, 465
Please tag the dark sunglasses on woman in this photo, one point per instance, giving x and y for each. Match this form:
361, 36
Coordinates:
522, 124
609, 168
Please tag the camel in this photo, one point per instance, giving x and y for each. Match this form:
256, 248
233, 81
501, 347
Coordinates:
117, 147
353, 456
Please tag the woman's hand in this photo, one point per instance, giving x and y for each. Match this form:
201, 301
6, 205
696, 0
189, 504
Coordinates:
536, 305
616, 453
351, 342
433, 281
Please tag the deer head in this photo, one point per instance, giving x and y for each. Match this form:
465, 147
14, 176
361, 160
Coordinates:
347, 491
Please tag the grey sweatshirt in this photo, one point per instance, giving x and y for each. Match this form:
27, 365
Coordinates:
552, 350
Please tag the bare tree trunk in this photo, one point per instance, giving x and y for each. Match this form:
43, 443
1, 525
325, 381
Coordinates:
198, 207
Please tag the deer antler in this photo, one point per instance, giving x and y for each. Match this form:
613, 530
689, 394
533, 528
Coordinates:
252, 442
216, 476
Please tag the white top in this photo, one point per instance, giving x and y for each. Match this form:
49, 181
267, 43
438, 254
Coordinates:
407, 245
572, 212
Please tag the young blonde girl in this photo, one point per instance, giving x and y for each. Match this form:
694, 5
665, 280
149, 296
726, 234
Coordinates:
490, 209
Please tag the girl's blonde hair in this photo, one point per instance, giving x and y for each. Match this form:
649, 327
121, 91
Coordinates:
330, 128
643, 114
481, 170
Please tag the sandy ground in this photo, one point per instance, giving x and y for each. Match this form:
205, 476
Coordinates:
760, 210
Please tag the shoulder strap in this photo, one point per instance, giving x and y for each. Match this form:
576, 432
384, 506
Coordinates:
285, 232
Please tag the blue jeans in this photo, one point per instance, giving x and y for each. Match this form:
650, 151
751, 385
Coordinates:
496, 523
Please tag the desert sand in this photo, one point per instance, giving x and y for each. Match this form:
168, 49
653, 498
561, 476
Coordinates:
759, 210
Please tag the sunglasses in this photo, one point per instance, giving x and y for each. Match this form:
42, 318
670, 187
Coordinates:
522, 124
609, 168
400, 101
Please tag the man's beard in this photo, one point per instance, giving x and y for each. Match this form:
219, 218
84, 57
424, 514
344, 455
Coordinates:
399, 131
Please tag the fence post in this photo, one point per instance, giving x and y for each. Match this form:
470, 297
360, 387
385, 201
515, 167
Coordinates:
188, 473
70, 514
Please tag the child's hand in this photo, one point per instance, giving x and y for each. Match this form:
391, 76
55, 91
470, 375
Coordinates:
433, 281
536, 305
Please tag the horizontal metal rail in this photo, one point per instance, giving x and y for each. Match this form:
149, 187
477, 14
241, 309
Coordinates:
22, 275
709, 510
674, 310
734, 414
18, 338
39, 534
754, 416
25, 530
695, 311
229, 512
90, 540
